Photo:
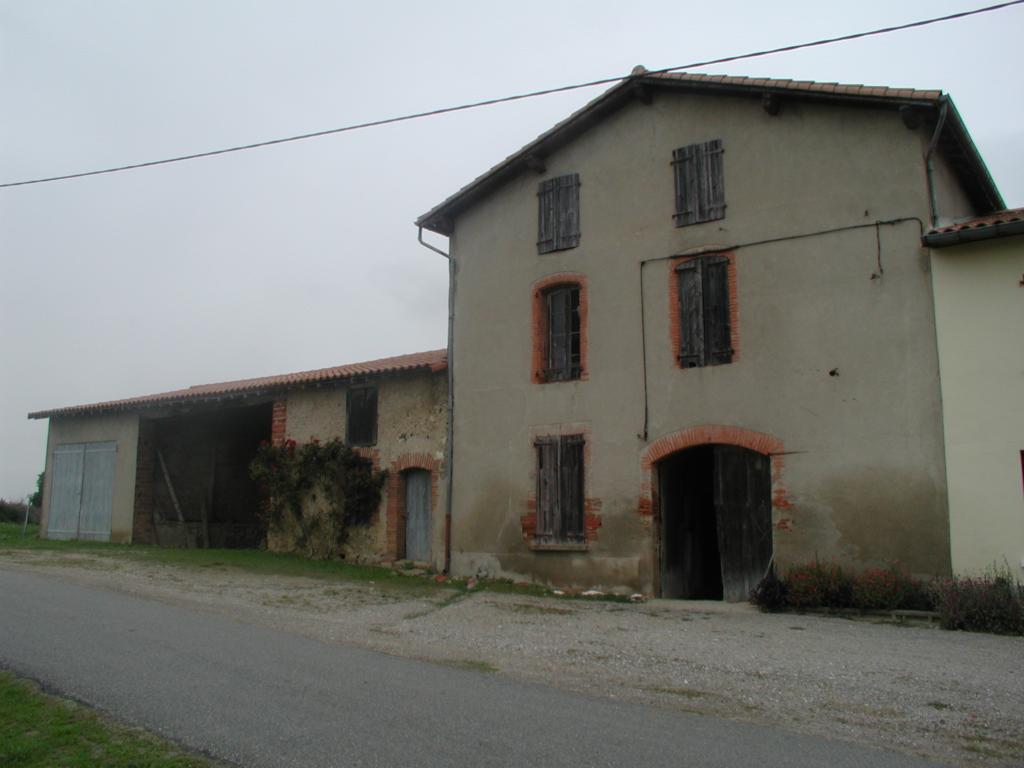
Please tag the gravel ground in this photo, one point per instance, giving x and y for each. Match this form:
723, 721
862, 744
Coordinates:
950, 696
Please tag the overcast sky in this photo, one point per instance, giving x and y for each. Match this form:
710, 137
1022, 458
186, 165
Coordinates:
304, 255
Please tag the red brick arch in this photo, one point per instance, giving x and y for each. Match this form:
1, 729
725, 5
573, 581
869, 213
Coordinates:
709, 434
395, 509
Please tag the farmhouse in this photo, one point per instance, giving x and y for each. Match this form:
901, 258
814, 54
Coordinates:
702, 326
695, 334
173, 468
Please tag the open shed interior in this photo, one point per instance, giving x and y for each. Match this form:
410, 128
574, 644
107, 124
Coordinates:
192, 480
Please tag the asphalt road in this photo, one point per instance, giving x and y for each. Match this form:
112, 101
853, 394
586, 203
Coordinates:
261, 697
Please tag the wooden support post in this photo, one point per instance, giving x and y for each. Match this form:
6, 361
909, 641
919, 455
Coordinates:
152, 520
205, 524
174, 496
206, 508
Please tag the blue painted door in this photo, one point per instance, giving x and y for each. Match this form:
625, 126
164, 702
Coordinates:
82, 491
417, 515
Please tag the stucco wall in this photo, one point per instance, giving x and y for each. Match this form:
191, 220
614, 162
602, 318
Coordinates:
411, 425
979, 303
122, 429
860, 472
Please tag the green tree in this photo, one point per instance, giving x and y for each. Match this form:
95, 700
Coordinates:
36, 499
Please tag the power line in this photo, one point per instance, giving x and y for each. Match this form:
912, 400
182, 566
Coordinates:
520, 96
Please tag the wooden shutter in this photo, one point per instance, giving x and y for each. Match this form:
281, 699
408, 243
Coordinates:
559, 490
712, 199
568, 211
700, 186
558, 213
684, 160
691, 313
571, 488
717, 336
361, 416
547, 224
547, 488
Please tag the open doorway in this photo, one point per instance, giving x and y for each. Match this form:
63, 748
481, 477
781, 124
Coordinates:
715, 535
192, 478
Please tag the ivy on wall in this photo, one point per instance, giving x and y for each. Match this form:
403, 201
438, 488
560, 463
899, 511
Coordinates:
317, 490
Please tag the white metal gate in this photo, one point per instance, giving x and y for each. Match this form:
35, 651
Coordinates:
82, 491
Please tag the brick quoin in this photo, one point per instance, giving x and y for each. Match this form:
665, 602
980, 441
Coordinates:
394, 514
539, 323
674, 320
709, 435
279, 422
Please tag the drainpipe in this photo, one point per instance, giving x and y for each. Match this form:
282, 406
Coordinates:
929, 165
448, 444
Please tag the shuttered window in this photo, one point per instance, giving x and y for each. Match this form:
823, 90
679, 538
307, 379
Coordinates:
361, 416
700, 185
705, 336
562, 360
558, 213
559, 490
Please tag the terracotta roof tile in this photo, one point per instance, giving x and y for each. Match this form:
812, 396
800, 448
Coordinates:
846, 89
434, 360
981, 222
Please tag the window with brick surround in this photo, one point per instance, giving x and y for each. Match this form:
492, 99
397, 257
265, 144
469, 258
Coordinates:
700, 183
559, 490
705, 336
562, 333
558, 213
361, 416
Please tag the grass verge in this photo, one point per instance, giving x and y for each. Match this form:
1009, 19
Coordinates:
274, 564
38, 731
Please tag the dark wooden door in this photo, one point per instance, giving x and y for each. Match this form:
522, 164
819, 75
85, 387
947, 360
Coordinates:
742, 497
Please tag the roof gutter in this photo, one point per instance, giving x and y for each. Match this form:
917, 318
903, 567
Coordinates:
958, 237
450, 431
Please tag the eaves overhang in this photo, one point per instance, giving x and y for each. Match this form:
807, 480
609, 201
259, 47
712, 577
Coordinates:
254, 389
1008, 223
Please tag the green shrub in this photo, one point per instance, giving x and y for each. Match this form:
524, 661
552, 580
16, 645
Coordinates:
990, 603
770, 593
36, 499
818, 585
889, 588
11, 511
296, 479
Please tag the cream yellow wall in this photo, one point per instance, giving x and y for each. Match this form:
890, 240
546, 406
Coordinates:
979, 308
122, 429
